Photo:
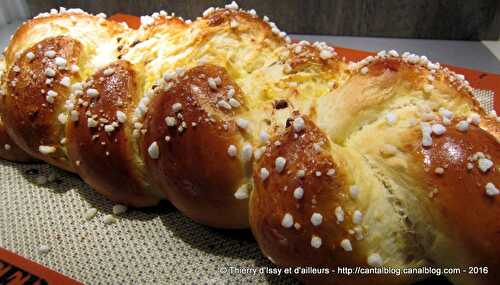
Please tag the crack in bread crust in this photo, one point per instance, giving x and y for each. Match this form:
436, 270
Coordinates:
397, 204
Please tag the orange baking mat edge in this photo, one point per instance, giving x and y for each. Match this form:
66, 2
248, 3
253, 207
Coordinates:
15, 269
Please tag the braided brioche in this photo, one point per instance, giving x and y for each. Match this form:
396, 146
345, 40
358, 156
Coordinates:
8, 149
389, 161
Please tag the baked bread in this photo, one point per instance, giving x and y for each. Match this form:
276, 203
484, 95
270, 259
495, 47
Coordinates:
386, 162
8, 149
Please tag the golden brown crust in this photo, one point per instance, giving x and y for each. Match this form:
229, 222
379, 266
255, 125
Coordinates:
194, 169
224, 17
388, 84
102, 153
274, 196
30, 116
325, 187
417, 75
305, 55
62, 24
460, 197
355, 117
8, 148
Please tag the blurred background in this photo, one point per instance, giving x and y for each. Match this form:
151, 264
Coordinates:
464, 33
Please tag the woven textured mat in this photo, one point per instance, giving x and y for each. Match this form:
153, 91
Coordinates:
150, 246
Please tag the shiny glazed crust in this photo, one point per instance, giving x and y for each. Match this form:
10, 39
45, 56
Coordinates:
389, 161
8, 149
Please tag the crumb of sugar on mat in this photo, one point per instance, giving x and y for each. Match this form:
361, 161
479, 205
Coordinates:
109, 219
43, 249
119, 209
90, 214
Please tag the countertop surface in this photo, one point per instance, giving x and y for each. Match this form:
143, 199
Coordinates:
469, 54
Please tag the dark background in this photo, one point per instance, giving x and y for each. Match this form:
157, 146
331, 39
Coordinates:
431, 19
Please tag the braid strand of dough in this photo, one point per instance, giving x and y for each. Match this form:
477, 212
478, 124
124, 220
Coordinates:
389, 161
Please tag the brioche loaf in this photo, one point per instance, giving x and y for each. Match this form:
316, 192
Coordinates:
385, 162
